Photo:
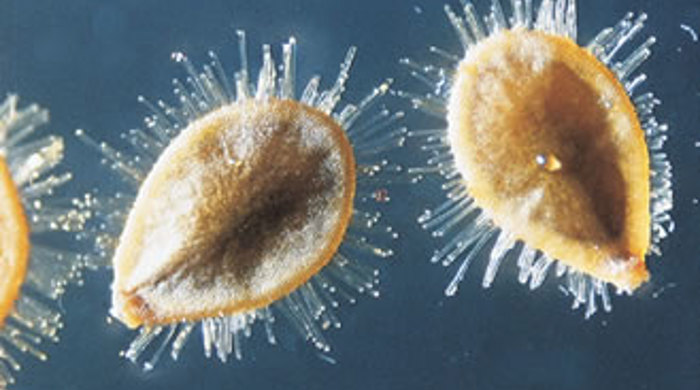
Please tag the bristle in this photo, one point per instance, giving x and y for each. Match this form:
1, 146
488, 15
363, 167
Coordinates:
503, 244
289, 65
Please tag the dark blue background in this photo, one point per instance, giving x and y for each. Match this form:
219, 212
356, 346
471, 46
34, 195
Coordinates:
88, 60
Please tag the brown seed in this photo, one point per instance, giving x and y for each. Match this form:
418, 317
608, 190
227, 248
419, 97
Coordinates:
14, 242
551, 148
243, 207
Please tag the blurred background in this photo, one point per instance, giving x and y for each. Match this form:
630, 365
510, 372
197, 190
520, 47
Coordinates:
87, 60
